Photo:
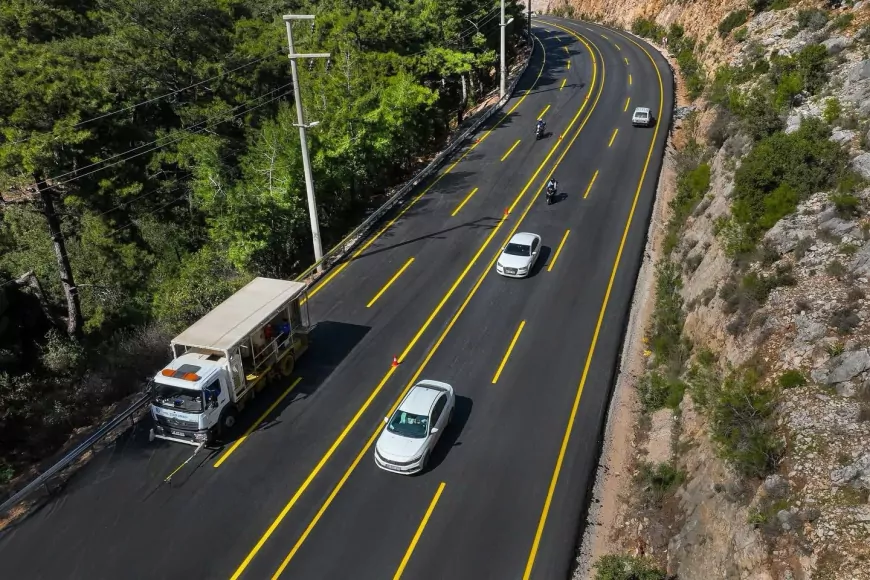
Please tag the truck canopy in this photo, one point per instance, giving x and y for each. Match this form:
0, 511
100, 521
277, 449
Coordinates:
240, 315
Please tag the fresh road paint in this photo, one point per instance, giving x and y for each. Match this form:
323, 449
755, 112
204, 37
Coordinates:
563, 84
507, 354
559, 250
419, 533
395, 276
510, 150
627, 101
591, 181
473, 191
612, 137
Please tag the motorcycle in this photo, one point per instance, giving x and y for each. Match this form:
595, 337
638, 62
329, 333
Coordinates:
539, 132
551, 195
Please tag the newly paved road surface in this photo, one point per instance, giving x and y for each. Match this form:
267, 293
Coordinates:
300, 496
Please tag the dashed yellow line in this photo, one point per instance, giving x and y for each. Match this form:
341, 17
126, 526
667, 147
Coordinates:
558, 250
569, 64
419, 533
505, 156
563, 84
394, 278
629, 79
627, 101
566, 49
612, 137
625, 59
617, 46
547, 108
589, 187
508, 353
467, 197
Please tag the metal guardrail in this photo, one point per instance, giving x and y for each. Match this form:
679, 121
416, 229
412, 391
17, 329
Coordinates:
75, 453
334, 256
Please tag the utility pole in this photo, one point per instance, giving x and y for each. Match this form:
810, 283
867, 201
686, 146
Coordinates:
530, 22
501, 90
300, 115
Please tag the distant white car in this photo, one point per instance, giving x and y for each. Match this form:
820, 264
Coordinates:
518, 257
406, 443
642, 117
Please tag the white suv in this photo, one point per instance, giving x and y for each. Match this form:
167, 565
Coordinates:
641, 117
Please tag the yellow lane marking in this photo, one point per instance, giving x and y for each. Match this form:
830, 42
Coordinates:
531, 561
509, 151
467, 197
257, 423
629, 79
569, 64
397, 274
338, 269
589, 187
627, 101
612, 137
547, 108
566, 49
626, 59
558, 250
617, 46
419, 533
338, 487
563, 84
605, 36
326, 457
508, 353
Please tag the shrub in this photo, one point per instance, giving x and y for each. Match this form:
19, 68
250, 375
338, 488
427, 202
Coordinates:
667, 320
62, 355
6, 472
835, 268
791, 32
855, 294
741, 34
782, 201
760, 116
806, 161
845, 320
812, 19
657, 391
732, 21
812, 64
742, 426
833, 110
835, 349
617, 567
847, 204
657, 481
801, 247
802, 305
792, 378
843, 21
848, 249
648, 29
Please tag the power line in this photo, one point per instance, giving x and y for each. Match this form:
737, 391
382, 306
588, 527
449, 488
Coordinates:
134, 221
163, 96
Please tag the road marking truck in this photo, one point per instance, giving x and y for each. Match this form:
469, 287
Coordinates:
226, 357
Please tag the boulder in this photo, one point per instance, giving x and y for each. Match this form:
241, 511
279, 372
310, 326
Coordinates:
843, 367
837, 226
842, 136
856, 474
837, 44
775, 486
808, 331
860, 265
861, 164
783, 236
860, 71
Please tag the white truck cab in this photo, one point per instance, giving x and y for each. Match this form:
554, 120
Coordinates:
224, 358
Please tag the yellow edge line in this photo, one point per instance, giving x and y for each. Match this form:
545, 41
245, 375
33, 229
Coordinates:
510, 150
393, 279
612, 137
629, 79
547, 108
473, 191
627, 101
419, 533
508, 353
335, 272
563, 84
429, 355
562, 450
256, 424
558, 250
591, 182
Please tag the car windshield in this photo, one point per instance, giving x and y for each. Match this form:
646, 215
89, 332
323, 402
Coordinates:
641, 114
178, 398
409, 425
518, 250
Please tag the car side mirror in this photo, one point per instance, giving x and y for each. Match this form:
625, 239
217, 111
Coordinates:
386, 419
535, 253
434, 430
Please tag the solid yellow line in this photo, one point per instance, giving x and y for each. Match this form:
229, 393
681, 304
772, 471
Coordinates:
336, 271
629, 79
393, 279
431, 352
563, 84
612, 137
559, 250
419, 533
509, 151
257, 423
323, 460
589, 187
627, 101
467, 197
547, 108
508, 353
562, 450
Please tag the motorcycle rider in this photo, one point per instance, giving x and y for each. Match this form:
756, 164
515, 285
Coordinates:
552, 186
539, 129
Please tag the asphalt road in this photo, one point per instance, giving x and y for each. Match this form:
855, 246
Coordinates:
300, 495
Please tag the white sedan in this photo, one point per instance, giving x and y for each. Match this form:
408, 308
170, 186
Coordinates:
518, 257
411, 434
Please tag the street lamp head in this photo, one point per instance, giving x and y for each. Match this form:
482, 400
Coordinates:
313, 124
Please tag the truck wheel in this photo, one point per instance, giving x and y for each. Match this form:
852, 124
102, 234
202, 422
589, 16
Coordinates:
287, 364
228, 420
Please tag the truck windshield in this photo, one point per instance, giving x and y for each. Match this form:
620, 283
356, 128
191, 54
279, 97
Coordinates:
178, 398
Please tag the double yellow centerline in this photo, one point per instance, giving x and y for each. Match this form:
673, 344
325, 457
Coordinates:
326, 457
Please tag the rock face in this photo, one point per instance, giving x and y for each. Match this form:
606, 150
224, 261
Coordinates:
837, 44
861, 164
860, 265
843, 367
808, 331
856, 474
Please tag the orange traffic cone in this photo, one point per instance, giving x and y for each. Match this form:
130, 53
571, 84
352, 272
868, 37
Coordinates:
506, 213
395, 361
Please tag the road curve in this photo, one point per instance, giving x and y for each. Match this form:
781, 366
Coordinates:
301, 495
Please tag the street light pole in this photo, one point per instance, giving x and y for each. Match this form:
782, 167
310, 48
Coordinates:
502, 83
300, 115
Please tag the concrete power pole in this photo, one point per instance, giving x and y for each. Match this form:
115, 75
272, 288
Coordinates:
300, 115
503, 74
